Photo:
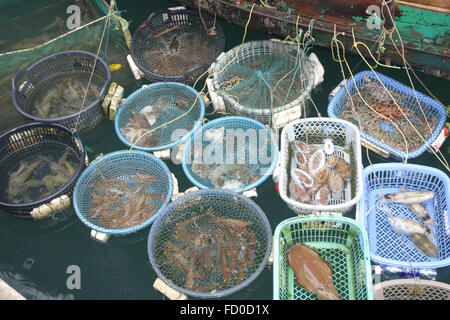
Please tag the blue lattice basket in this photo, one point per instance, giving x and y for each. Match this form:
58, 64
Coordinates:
122, 165
431, 108
386, 248
180, 109
255, 148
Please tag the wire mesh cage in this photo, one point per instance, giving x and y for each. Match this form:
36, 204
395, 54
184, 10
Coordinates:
122, 192
233, 153
411, 289
429, 245
172, 109
60, 89
320, 166
210, 243
261, 78
176, 45
418, 116
341, 242
39, 165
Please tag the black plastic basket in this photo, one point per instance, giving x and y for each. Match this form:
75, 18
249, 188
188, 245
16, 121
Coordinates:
31, 139
176, 45
30, 84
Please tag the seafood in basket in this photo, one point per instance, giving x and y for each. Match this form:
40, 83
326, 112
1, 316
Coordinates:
315, 177
40, 176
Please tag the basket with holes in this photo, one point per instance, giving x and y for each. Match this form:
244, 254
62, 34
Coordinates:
55, 90
39, 165
176, 44
233, 153
122, 192
210, 243
320, 166
244, 77
381, 128
173, 109
422, 240
411, 289
341, 244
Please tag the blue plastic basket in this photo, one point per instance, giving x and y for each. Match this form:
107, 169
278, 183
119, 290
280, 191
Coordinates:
259, 149
172, 133
430, 108
386, 248
121, 165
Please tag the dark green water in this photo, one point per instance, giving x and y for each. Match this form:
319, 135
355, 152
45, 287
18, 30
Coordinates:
34, 257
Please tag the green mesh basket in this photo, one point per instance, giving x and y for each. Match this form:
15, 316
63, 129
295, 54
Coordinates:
340, 241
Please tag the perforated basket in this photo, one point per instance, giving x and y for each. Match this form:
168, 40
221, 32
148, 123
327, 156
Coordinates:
347, 144
30, 85
244, 142
259, 66
340, 241
176, 45
386, 247
26, 142
190, 226
431, 108
411, 289
180, 109
122, 165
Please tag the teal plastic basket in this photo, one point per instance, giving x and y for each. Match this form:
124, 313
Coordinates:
340, 241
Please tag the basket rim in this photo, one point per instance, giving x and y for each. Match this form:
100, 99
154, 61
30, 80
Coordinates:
94, 104
361, 217
156, 226
316, 218
123, 231
61, 191
149, 88
420, 96
358, 158
225, 120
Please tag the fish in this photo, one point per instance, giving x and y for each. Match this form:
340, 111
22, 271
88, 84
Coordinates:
408, 226
332, 161
299, 193
322, 196
424, 244
316, 162
336, 184
420, 211
302, 177
301, 160
321, 176
344, 169
312, 272
410, 197
300, 146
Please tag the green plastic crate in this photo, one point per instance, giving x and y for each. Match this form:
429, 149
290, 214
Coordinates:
340, 241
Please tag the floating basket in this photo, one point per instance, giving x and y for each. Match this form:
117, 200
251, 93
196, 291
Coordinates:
44, 91
234, 153
245, 76
340, 241
210, 243
174, 108
313, 131
175, 45
121, 169
22, 152
378, 130
411, 289
386, 246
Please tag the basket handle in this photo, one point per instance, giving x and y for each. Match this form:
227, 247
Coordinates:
378, 150
17, 76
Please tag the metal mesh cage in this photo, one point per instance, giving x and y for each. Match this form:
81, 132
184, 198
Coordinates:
376, 128
386, 246
347, 144
246, 75
52, 90
173, 107
176, 45
234, 153
340, 241
25, 152
122, 192
210, 243
411, 289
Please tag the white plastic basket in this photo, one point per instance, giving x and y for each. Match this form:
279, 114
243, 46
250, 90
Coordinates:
411, 289
347, 142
